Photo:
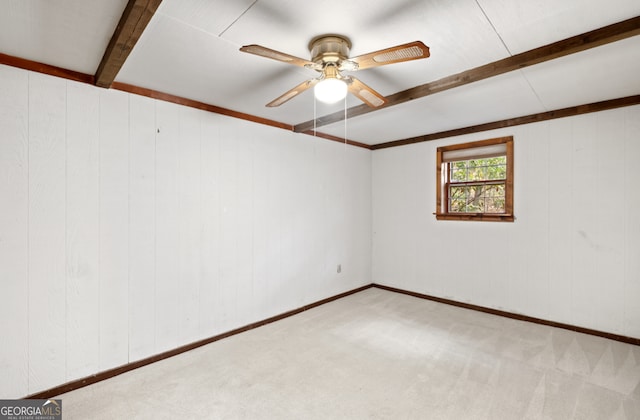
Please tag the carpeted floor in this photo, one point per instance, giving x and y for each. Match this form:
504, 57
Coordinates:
381, 355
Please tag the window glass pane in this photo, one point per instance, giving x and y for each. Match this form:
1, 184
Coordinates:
476, 205
497, 172
478, 169
458, 174
457, 205
480, 198
496, 190
458, 192
494, 205
498, 160
477, 172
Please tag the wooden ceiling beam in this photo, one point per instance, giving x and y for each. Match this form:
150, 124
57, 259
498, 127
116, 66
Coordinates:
578, 43
134, 20
511, 122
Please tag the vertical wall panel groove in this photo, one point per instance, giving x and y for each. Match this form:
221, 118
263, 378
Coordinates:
631, 136
209, 288
167, 233
188, 206
14, 231
142, 135
47, 278
82, 210
114, 231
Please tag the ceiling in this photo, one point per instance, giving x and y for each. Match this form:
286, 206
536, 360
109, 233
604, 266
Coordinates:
190, 49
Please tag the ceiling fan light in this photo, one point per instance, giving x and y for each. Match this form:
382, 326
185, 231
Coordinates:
330, 90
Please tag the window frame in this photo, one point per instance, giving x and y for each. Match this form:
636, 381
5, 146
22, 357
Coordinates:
442, 183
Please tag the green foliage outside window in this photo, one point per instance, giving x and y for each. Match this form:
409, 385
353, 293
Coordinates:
478, 185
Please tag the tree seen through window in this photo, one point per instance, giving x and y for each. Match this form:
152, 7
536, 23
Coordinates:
478, 185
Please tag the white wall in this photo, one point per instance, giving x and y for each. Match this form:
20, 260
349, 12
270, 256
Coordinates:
130, 226
572, 255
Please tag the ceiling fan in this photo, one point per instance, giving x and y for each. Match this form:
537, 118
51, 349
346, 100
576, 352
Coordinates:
329, 57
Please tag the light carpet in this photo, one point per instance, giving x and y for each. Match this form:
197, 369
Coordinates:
380, 355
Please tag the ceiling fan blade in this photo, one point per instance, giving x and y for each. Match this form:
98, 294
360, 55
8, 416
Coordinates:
275, 55
292, 93
366, 94
405, 52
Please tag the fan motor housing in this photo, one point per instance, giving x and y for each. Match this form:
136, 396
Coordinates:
329, 48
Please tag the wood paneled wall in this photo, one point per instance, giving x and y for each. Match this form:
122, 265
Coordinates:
131, 226
571, 256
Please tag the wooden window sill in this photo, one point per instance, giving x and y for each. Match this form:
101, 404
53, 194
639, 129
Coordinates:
480, 217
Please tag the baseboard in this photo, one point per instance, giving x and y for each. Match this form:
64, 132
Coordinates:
101, 376
611, 336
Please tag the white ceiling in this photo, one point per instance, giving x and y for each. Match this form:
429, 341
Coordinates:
190, 49
71, 34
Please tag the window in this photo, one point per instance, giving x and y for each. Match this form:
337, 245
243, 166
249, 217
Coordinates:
475, 181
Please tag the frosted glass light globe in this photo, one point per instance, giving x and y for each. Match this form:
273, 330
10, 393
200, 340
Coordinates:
330, 90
